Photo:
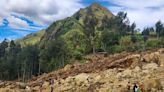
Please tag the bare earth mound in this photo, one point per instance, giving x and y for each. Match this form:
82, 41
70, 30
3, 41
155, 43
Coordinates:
102, 73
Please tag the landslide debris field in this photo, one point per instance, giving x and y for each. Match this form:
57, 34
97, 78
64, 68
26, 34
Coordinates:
101, 73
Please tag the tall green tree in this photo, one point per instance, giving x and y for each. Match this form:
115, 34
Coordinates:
3, 47
90, 23
159, 28
29, 62
146, 33
54, 56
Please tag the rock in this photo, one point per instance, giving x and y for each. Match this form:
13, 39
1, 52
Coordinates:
152, 58
150, 66
137, 69
2, 84
45, 85
97, 78
69, 80
150, 84
81, 78
145, 72
66, 88
127, 73
28, 89
68, 67
135, 60
21, 85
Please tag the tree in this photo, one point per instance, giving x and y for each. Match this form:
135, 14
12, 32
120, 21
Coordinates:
109, 38
54, 56
29, 62
133, 35
115, 28
90, 23
132, 28
146, 33
3, 47
159, 28
120, 23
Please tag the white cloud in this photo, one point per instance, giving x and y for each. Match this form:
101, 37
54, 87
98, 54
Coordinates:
44, 12
17, 23
1, 20
40, 11
143, 12
138, 4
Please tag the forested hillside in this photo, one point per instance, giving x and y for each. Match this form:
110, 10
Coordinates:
90, 30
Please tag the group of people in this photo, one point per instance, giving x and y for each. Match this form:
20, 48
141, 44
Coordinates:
136, 87
51, 82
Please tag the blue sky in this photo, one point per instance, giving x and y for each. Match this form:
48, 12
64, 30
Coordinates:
21, 17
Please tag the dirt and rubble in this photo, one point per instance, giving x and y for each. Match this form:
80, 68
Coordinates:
101, 73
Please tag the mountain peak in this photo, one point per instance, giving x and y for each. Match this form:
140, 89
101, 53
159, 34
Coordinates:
95, 9
97, 6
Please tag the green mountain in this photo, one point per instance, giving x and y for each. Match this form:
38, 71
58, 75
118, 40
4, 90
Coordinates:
31, 39
75, 23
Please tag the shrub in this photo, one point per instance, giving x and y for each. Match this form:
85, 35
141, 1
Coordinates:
125, 41
152, 43
161, 42
115, 49
77, 55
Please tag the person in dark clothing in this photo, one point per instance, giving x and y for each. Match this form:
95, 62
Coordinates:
135, 87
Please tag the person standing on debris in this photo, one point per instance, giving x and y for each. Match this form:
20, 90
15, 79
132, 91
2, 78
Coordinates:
128, 86
52, 85
135, 87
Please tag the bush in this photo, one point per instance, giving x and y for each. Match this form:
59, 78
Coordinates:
152, 43
161, 42
115, 49
125, 41
135, 47
77, 55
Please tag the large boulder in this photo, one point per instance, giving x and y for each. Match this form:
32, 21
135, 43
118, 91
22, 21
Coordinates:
135, 60
81, 78
150, 66
152, 84
137, 69
127, 73
152, 58
21, 85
